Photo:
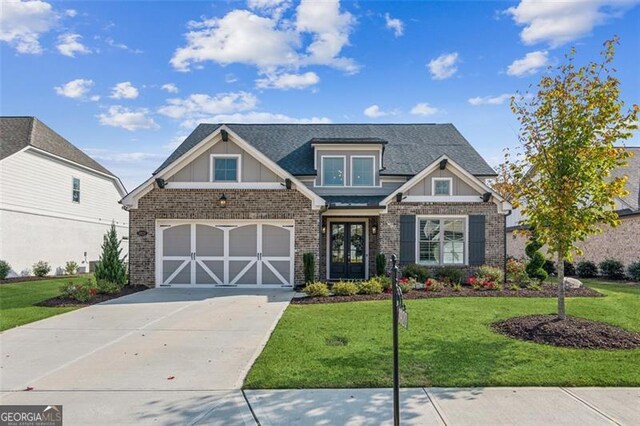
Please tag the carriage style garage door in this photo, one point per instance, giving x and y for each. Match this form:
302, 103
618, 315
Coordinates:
216, 253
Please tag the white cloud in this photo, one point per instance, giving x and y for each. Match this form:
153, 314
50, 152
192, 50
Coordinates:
23, 22
197, 106
230, 78
69, 45
274, 8
112, 43
288, 81
95, 98
268, 42
529, 64
71, 13
75, 89
175, 142
559, 22
124, 90
264, 117
170, 88
394, 24
490, 100
424, 109
374, 111
444, 66
107, 155
126, 118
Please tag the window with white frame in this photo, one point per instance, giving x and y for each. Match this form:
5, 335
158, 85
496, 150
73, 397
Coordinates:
225, 168
441, 186
332, 171
75, 191
441, 241
362, 171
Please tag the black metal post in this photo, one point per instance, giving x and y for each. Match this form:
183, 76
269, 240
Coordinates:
396, 376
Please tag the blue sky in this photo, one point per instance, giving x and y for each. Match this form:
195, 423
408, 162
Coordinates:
127, 81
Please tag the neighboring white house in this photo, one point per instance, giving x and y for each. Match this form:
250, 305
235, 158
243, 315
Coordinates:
56, 202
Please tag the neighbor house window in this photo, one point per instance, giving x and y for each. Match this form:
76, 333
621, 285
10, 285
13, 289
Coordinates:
362, 172
225, 169
333, 171
441, 186
441, 241
75, 192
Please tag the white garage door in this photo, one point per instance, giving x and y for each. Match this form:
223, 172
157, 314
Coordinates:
208, 253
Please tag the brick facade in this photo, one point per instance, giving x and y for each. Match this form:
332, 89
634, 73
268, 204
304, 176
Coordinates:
203, 204
389, 228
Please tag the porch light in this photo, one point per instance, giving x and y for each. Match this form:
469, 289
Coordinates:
374, 229
486, 197
399, 197
222, 201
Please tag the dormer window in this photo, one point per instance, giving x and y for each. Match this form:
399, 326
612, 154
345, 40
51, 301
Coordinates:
362, 170
441, 186
333, 171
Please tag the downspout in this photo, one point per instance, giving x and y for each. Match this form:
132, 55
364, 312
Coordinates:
321, 242
505, 246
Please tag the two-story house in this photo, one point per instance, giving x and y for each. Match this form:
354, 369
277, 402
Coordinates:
239, 204
56, 202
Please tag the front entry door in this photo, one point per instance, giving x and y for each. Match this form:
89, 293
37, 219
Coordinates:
347, 250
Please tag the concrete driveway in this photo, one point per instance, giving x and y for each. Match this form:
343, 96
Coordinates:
163, 354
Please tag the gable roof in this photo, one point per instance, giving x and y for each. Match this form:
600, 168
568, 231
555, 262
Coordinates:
409, 148
17, 133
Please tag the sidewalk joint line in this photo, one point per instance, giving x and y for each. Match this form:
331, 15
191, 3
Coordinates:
590, 405
435, 406
250, 407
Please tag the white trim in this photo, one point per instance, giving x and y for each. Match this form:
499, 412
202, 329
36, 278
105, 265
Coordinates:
441, 179
344, 170
224, 185
56, 215
238, 158
73, 189
373, 171
328, 242
443, 199
441, 217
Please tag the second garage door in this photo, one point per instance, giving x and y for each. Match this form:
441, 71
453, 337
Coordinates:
207, 253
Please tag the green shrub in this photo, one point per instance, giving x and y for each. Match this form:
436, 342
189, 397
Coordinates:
71, 267
111, 266
385, 281
309, 267
372, 286
534, 268
634, 271
435, 285
107, 287
490, 273
549, 267
80, 292
457, 287
381, 264
450, 275
569, 269
41, 268
344, 288
535, 286
514, 287
516, 272
4, 269
406, 285
586, 269
612, 269
316, 289
418, 272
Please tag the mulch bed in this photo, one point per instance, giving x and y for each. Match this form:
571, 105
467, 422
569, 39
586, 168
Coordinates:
18, 280
547, 290
60, 302
571, 332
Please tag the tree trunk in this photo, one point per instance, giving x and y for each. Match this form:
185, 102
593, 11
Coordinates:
560, 266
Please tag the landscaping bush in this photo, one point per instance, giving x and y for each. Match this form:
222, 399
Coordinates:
41, 268
612, 269
108, 287
344, 288
4, 269
586, 269
309, 267
457, 287
569, 269
71, 267
516, 272
372, 286
381, 264
536, 260
385, 281
490, 273
450, 275
418, 272
111, 266
549, 267
634, 271
316, 289
434, 285
406, 284
81, 292
483, 284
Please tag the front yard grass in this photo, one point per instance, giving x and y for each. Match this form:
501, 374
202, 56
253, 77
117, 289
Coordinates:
449, 343
17, 301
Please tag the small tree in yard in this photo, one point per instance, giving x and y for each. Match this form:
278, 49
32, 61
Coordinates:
111, 267
563, 178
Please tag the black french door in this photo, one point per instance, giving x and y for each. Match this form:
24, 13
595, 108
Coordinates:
347, 250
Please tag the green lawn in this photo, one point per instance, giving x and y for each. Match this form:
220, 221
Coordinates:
17, 301
449, 343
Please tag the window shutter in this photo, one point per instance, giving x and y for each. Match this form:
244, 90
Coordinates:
407, 239
476, 240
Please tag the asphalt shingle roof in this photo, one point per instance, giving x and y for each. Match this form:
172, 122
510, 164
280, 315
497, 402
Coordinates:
409, 148
19, 132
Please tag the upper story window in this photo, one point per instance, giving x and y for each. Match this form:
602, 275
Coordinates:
225, 168
441, 186
333, 171
441, 241
75, 192
362, 171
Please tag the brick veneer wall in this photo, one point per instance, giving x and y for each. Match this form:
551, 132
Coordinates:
389, 229
203, 204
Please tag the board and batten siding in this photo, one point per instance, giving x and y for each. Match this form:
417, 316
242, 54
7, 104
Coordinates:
40, 221
458, 186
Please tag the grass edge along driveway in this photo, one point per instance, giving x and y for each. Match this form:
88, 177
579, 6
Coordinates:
449, 343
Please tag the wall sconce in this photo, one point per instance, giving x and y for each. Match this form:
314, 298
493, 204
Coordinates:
374, 229
222, 201
324, 229
486, 197
161, 183
398, 197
